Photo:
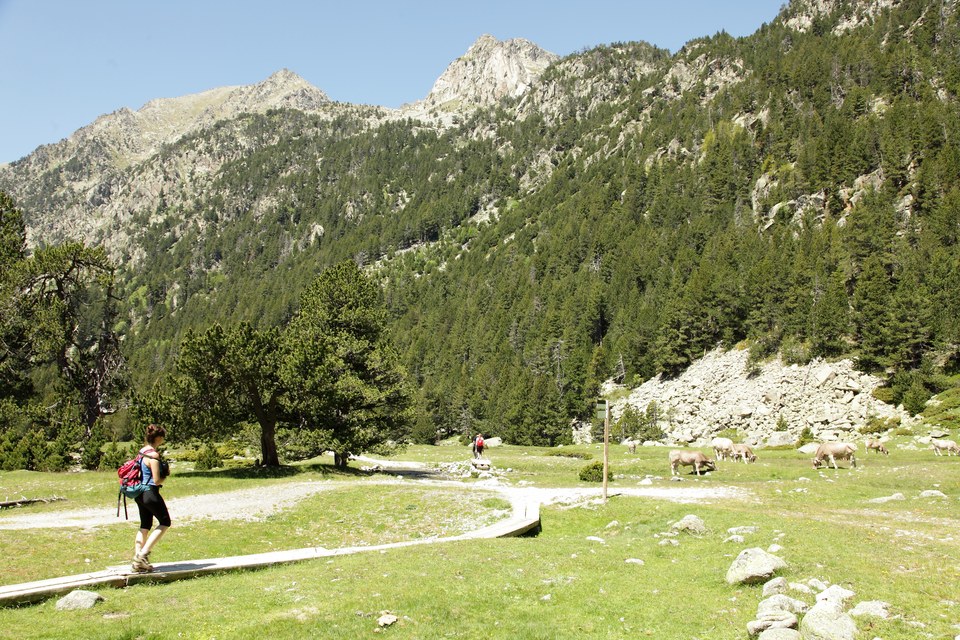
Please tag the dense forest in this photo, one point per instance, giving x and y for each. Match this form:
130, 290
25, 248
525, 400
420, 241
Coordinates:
797, 190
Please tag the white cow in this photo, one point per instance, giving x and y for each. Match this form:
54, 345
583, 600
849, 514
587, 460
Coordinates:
722, 448
835, 451
939, 446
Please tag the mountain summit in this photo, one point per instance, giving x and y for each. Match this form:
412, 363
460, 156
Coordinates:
489, 71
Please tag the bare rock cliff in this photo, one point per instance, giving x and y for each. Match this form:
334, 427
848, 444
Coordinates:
488, 72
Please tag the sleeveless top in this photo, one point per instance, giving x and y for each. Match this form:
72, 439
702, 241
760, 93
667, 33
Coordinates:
147, 472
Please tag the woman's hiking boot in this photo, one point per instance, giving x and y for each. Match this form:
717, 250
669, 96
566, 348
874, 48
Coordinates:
141, 563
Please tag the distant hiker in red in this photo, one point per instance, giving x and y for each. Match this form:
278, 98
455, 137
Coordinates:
478, 446
150, 502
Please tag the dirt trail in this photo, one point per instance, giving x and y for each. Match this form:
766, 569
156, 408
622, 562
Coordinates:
259, 502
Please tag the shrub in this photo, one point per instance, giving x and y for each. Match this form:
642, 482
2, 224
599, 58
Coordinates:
208, 458
876, 425
794, 351
113, 456
733, 434
593, 472
806, 436
581, 455
883, 394
781, 423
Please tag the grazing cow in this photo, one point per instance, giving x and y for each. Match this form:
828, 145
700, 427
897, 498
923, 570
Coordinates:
722, 448
939, 446
835, 451
743, 452
689, 458
877, 446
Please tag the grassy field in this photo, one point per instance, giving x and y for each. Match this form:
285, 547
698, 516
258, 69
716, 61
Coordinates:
559, 584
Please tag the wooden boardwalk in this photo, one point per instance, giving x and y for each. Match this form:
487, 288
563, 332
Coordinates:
524, 519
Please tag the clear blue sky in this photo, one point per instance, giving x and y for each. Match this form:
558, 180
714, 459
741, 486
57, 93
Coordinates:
66, 62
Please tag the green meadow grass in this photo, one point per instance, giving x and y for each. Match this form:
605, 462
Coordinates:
559, 584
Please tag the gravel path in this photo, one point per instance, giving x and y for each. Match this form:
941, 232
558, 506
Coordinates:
259, 502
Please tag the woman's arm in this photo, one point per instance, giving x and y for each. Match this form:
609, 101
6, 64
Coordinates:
154, 464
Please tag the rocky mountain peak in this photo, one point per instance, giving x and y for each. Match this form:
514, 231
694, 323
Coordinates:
802, 14
488, 72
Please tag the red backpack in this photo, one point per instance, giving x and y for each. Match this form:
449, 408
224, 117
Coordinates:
131, 481
479, 443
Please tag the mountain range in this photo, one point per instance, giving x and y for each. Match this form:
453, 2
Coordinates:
543, 223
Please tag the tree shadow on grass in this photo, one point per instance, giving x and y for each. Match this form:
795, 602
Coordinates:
288, 471
283, 471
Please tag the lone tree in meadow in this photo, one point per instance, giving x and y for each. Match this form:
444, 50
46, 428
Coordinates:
329, 380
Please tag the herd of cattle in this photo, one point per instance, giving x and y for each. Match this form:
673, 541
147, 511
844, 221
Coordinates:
827, 453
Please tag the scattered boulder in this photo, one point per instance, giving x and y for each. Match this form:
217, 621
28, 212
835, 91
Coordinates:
932, 493
386, 619
835, 594
939, 433
78, 599
772, 620
781, 602
780, 633
734, 539
817, 585
827, 621
753, 566
873, 608
774, 548
480, 464
799, 587
809, 449
739, 531
636, 561
691, 524
896, 496
774, 586
782, 439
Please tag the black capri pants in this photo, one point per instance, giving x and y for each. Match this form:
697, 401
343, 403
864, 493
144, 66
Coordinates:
151, 506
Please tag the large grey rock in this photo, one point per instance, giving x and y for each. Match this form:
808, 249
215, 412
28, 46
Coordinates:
836, 594
753, 566
780, 633
809, 449
827, 621
932, 493
739, 531
890, 498
782, 439
772, 620
78, 599
691, 524
781, 602
775, 586
874, 608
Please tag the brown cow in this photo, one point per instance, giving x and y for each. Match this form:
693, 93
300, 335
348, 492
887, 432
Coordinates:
743, 452
877, 446
835, 451
689, 458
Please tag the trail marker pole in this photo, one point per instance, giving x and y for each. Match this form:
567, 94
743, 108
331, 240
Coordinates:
603, 406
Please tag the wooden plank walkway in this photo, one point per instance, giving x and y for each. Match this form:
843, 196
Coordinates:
524, 519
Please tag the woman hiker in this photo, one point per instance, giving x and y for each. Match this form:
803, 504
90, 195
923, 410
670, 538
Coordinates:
150, 502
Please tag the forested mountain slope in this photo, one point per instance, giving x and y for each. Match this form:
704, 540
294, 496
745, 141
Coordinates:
628, 211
